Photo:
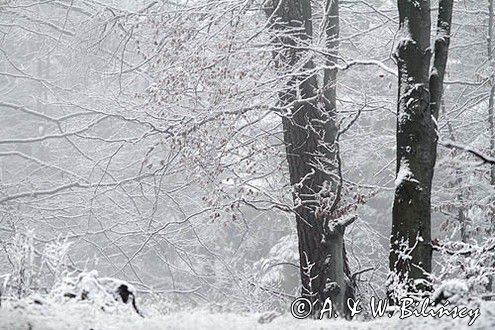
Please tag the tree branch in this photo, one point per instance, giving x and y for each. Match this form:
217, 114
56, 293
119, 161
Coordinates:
453, 145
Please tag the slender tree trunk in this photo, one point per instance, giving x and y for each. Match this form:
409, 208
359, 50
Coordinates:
419, 99
312, 152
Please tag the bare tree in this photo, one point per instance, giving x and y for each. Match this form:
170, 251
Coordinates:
311, 138
420, 93
492, 89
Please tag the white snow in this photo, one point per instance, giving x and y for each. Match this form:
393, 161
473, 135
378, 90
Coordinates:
404, 173
72, 315
453, 290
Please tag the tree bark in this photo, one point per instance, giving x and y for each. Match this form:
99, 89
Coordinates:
492, 90
491, 128
310, 135
419, 98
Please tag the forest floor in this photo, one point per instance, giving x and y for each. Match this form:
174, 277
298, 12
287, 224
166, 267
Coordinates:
31, 316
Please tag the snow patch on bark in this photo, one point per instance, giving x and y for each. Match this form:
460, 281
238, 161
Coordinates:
404, 174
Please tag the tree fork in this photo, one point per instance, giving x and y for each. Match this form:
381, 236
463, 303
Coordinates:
310, 134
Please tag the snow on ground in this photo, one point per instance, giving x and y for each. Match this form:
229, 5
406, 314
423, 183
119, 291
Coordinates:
78, 315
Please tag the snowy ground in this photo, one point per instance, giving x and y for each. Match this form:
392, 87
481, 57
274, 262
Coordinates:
83, 316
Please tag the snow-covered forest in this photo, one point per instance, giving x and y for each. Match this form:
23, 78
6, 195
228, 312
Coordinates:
246, 164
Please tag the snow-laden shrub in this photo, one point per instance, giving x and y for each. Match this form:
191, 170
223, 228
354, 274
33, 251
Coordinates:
462, 279
472, 263
454, 291
46, 266
32, 266
109, 294
20, 254
55, 256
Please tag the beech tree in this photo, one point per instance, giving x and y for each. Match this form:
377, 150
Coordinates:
419, 99
311, 138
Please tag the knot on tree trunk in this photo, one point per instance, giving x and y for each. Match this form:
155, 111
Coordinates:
409, 52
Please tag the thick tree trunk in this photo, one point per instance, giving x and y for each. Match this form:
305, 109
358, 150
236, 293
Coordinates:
312, 152
420, 93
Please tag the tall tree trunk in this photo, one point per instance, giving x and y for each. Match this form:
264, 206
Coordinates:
492, 89
491, 128
419, 99
310, 135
